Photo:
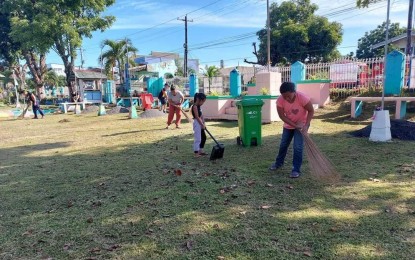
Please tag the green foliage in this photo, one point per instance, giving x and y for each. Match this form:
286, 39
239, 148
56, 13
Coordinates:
168, 75
297, 34
364, 46
366, 3
319, 75
264, 91
116, 56
9, 50
42, 25
213, 93
179, 71
211, 72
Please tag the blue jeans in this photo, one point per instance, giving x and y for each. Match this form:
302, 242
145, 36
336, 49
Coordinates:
35, 108
287, 136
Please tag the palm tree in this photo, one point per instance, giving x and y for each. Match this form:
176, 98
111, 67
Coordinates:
117, 56
210, 72
51, 78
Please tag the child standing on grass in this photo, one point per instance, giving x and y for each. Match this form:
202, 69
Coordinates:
296, 111
198, 125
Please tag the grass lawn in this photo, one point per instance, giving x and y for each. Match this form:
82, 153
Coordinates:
109, 187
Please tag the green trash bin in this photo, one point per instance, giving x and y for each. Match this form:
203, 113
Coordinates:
249, 121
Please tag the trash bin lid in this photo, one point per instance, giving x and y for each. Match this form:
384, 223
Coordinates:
249, 102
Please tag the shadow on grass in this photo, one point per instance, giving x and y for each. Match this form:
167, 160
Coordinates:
147, 201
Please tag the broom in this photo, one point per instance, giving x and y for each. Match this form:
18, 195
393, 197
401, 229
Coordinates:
320, 166
187, 116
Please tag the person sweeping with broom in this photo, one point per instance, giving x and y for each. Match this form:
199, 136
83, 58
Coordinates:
296, 111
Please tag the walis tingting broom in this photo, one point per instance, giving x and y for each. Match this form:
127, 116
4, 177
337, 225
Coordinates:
320, 166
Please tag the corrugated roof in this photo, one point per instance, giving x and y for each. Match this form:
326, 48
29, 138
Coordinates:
87, 74
391, 40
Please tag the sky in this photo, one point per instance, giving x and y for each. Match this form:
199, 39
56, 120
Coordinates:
220, 29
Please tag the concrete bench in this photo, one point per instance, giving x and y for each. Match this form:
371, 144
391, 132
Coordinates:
400, 108
82, 105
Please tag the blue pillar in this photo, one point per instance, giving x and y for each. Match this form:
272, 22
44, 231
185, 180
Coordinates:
108, 92
127, 80
193, 85
395, 73
297, 72
152, 84
235, 78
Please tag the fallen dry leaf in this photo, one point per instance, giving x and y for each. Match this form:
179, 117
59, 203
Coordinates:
265, 207
251, 182
28, 232
220, 257
66, 246
95, 250
89, 220
216, 226
289, 187
269, 185
178, 172
333, 229
308, 253
189, 245
112, 247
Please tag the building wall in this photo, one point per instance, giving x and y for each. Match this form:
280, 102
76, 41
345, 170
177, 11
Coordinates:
59, 69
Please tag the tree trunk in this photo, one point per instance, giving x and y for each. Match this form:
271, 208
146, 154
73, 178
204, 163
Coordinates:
37, 68
68, 61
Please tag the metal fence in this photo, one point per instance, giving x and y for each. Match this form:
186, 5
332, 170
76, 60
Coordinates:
350, 77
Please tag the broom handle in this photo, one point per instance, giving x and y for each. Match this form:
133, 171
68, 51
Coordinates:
186, 115
212, 136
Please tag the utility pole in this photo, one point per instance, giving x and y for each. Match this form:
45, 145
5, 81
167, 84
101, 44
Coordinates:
82, 57
185, 44
409, 28
268, 39
127, 75
386, 53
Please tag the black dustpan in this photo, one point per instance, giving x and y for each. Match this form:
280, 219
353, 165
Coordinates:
217, 150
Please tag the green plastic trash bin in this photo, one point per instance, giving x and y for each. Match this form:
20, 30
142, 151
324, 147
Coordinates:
249, 121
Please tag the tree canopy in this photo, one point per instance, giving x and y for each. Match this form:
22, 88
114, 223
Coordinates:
59, 25
366, 3
364, 46
297, 34
116, 55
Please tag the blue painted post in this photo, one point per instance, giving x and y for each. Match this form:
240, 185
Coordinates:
151, 86
193, 85
235, 84
297, 72
359, 105
127, 79
402, 113
108, 92
395, 73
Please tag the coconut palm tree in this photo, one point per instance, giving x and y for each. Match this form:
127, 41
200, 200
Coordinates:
51, 78
116, 56
210, 72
